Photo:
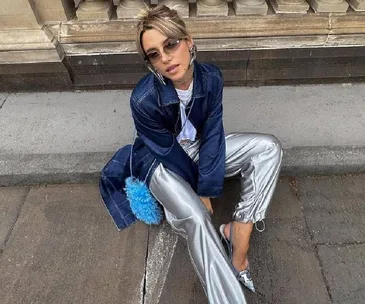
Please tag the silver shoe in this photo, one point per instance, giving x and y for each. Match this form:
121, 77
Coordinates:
243, 276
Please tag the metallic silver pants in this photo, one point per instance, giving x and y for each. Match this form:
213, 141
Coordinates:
257, 158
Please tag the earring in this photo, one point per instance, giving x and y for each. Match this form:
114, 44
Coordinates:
157, 74
159, 77
192, 51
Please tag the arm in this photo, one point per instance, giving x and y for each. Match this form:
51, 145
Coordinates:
163, 144
212, 149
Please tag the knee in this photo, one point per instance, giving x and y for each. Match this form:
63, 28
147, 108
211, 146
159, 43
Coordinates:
272, 141
199, 216
273, 144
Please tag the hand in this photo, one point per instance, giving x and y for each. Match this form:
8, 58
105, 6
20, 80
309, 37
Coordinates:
206, 201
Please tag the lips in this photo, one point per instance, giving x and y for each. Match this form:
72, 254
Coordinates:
171, 68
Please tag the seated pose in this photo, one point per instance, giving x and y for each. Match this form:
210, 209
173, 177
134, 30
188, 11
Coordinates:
183, 155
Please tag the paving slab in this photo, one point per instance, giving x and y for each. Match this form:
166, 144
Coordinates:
344, 268
161, 256
284, 263
334, 208
285, 203
64, 248
182, 284
11, 201
282, 258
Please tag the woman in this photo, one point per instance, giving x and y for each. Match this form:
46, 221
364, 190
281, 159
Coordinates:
183, 155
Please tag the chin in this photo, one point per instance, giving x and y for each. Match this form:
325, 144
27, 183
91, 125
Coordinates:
177, 77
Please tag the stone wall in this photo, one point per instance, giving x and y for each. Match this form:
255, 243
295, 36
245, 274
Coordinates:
66, 44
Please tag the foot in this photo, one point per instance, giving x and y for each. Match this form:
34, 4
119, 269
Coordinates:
245, 278
242, 273
242, 262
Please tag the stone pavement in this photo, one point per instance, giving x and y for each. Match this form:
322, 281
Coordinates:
58, 245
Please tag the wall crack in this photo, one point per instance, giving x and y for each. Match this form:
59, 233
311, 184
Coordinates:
3, 102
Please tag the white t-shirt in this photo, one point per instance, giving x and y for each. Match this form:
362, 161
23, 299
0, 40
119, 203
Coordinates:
188, 131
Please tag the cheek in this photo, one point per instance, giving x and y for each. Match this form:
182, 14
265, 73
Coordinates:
159, 68
185, 59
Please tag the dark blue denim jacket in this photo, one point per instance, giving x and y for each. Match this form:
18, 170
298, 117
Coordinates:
155, 110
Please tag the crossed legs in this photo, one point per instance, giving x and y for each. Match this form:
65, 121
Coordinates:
257, 159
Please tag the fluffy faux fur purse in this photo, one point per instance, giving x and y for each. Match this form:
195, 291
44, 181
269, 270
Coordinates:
143, 205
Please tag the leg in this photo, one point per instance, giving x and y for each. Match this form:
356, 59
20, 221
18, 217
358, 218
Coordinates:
190, 218
257, 158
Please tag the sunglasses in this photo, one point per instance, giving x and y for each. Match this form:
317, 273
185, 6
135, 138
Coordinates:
171, 46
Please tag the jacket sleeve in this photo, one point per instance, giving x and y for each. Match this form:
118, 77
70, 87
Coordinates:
163, 144
212, 149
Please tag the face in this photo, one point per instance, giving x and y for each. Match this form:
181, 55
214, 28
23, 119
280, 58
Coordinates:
169, 57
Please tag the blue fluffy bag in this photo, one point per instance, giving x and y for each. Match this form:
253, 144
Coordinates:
143, 205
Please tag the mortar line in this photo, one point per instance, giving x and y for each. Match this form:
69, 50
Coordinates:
315, 248
12, 228
344, 244
247, 63
322, 272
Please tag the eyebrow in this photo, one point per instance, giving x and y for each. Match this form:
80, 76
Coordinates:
155, 49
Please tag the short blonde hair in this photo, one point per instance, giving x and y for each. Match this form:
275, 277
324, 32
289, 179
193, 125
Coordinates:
161, 18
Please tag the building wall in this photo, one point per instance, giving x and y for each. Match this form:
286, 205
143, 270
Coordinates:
66, 44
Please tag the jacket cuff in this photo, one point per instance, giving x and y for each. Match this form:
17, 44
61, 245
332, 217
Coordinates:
211, 192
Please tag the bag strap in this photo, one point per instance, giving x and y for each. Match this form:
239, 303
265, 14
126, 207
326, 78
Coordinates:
131, 155
131, 158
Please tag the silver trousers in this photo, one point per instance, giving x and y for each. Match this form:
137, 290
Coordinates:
257, 159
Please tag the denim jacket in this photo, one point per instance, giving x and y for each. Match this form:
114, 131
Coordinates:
155, 110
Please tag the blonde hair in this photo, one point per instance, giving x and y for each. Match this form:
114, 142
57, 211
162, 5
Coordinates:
167, 21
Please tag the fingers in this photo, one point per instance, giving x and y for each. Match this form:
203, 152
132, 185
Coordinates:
206, 201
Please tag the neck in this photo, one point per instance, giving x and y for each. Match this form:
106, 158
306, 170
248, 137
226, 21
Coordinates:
184, 83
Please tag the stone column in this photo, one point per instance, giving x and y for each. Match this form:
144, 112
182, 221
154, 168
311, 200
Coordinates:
129, 8
182, 6
250, 7
212, 8
357, 5
30, 57
17, 14
290, 6
94, 10
54, 10
329, 6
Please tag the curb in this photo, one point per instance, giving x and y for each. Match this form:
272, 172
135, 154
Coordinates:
33, 169
335, 160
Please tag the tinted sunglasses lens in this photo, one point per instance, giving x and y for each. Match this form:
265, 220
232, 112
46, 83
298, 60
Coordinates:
171, 46
153, 57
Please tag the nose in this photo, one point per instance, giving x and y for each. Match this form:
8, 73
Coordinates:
165, 58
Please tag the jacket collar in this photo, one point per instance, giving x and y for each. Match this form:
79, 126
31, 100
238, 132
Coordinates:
167, 94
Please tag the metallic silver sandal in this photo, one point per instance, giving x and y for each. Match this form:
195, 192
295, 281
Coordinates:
243, 276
